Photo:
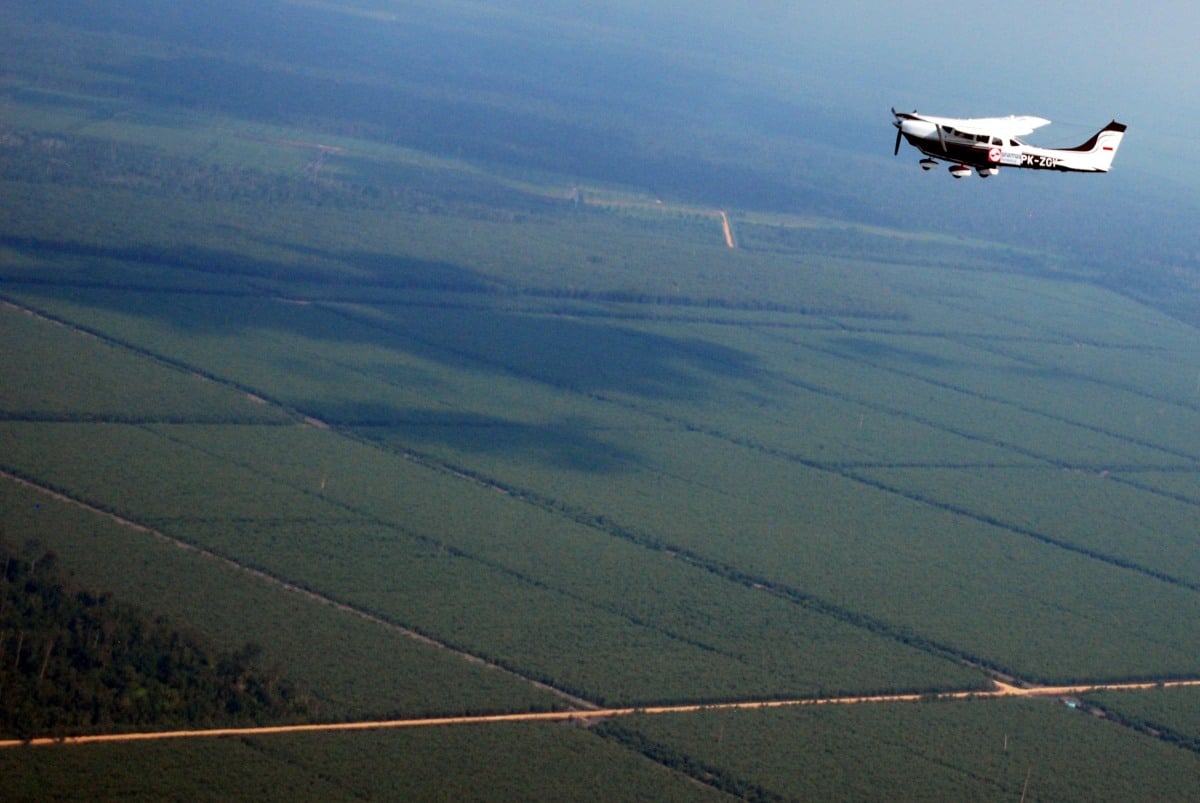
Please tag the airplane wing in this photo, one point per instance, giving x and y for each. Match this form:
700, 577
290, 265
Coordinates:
1011, 126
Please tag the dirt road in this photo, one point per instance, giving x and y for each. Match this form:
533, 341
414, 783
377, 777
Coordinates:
1001, 690
728, 229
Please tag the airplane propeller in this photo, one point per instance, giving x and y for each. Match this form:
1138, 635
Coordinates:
900, 133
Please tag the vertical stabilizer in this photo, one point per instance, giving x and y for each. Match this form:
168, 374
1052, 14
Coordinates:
1098, 152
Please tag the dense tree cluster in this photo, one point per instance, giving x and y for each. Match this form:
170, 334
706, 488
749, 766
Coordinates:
75, 661
82, 161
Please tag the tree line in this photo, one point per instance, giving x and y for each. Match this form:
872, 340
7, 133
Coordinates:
73, 660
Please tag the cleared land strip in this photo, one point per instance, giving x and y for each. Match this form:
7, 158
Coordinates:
1001, 690
727, 230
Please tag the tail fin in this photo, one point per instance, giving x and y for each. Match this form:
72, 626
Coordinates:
1098, 152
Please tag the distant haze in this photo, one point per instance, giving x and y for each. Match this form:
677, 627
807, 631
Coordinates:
740, 104
808, 87
1079, 63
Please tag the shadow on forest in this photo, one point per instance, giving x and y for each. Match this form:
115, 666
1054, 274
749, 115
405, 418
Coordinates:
457, 323
566, 443
449, 122
96, 268
869, 349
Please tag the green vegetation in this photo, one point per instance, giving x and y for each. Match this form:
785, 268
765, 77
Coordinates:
76, 661
351, 667
1172, 714
94, 381
501, 762
449, 421
917, 751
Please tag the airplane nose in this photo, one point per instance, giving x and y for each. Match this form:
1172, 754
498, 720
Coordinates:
916, 128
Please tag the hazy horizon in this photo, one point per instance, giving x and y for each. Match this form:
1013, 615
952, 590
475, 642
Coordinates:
741, 105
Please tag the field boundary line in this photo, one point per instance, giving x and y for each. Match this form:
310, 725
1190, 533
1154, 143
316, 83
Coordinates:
580, 703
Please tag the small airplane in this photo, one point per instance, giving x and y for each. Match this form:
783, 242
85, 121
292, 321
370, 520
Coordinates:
984, 144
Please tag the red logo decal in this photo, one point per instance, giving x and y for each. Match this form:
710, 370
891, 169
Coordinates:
994, 155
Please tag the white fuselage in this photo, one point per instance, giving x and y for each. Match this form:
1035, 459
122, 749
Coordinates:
984, 145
